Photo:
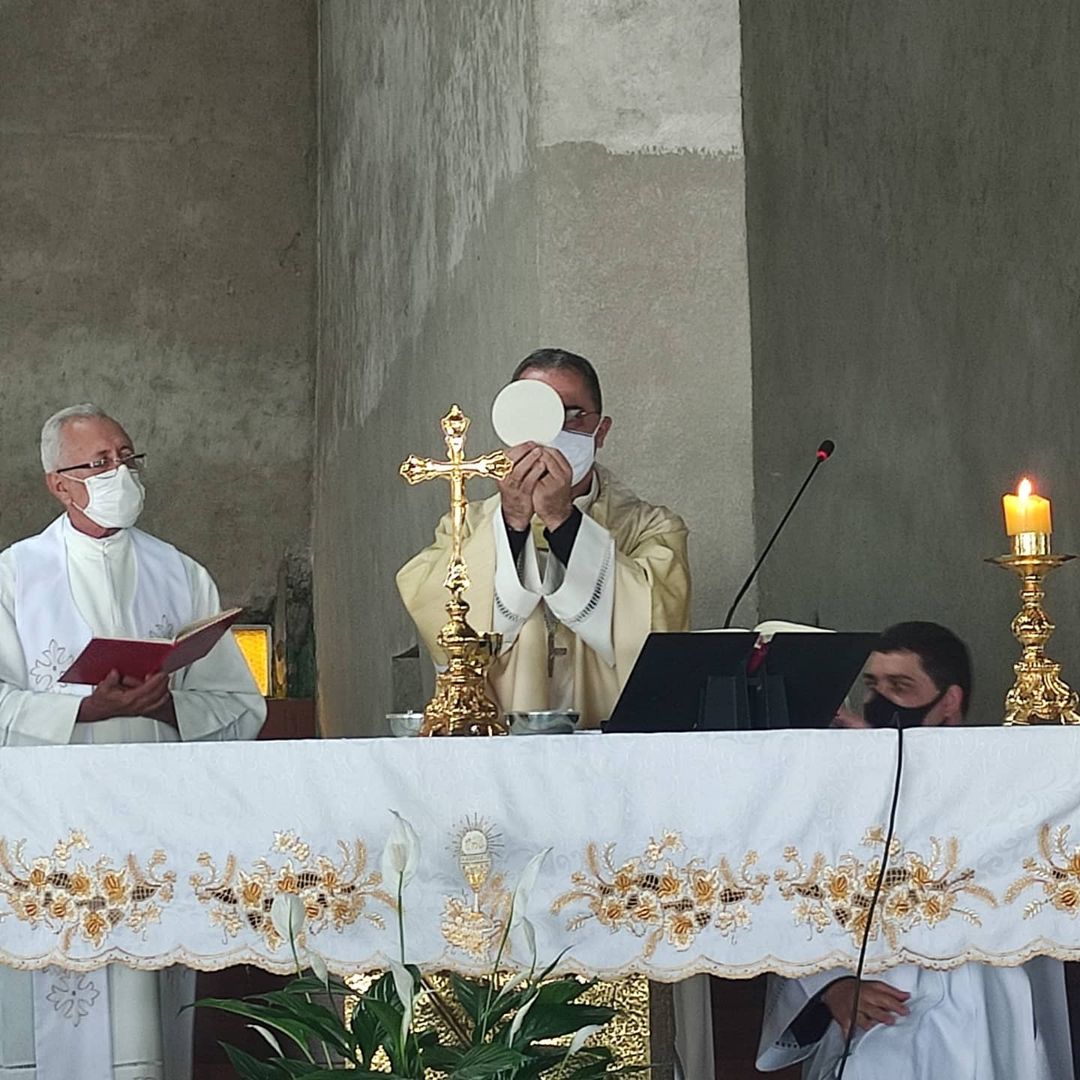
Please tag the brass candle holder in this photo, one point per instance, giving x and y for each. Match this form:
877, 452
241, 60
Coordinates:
1039, 695
460, 704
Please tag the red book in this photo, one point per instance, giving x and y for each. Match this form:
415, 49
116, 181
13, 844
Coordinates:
138, 657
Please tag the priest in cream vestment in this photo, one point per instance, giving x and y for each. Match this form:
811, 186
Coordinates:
90, 573
568, 565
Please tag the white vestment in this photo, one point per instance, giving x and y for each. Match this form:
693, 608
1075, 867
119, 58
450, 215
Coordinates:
114, 1020
975, 1022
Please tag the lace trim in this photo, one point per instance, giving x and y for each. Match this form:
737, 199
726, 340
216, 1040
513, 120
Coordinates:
597, 593
505, 612
448, 962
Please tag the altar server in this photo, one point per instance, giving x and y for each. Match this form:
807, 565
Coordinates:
975, 1022
92, 573
567, 564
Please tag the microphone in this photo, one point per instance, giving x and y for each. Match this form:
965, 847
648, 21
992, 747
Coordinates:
824, 452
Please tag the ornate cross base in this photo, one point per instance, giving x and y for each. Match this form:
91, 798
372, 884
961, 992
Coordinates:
460, 704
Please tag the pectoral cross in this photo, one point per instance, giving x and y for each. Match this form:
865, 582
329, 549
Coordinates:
553, 650
457, 469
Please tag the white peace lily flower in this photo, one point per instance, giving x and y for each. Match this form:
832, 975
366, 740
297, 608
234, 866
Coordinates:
401, 854
580, 1037
406, 988
525, 887
519, 1017
287, 914
318, 967
269, 1036
512, 985
523, 940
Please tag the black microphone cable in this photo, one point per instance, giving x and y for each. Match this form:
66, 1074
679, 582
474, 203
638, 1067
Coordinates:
874, 899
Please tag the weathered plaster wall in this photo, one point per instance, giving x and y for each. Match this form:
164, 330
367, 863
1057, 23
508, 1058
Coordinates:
157, 212
912, 207
501, 175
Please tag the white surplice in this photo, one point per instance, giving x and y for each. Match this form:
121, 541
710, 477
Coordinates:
116, 1022
975, 1022
578, 599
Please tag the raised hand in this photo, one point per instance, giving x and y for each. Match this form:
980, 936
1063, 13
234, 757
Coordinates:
517, 488
551, 495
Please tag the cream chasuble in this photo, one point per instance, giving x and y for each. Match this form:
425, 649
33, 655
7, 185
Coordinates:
975, 1022
116, 1023
627, 576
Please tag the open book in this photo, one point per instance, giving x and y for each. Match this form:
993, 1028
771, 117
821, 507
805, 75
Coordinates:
138, 657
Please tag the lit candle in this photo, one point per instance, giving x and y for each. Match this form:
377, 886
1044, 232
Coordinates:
1026, 512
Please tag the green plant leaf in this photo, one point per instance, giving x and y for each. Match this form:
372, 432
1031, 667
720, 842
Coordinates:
315, 1073
266, 1015
308, 984
443, 1058
250, 1068
365, 1028
562, 991
487, 1060
472, 995
387, 1014
320, 1022
546, 1021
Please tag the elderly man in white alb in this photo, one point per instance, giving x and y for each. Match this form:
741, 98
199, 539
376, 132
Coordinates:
91, 573
568, 565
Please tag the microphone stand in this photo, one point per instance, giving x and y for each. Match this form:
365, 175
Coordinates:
823, 454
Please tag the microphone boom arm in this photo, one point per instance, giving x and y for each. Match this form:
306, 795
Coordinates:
823, 454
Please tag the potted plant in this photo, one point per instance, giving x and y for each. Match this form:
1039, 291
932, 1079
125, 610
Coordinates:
497, 1027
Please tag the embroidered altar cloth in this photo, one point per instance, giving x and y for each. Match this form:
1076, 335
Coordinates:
731, 853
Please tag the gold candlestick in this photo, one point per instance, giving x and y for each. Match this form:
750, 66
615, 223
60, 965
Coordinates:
460, 705
1039, 695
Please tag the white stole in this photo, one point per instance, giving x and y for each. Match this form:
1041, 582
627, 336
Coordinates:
53, 634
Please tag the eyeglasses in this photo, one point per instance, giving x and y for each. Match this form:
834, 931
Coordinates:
573, 416
135, 462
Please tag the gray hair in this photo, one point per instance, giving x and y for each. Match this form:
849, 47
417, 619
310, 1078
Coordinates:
53, 428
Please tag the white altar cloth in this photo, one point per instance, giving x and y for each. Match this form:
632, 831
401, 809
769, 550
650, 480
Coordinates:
732, 853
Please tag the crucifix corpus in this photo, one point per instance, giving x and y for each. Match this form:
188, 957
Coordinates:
461, 705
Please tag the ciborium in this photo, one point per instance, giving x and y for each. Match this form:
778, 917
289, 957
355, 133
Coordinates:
460, 704
1039, 695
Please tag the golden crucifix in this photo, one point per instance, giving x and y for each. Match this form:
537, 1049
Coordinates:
461, 705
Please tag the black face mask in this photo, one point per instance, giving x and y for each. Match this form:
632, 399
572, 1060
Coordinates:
879, 711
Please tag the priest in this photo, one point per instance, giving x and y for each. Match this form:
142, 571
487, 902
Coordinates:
975, 1022
92, 573
573, 569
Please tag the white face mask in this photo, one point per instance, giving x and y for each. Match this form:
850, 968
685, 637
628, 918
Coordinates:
579, 449
116, 498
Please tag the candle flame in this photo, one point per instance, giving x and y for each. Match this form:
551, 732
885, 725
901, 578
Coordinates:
1024, 488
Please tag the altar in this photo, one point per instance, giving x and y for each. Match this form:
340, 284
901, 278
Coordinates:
667, 855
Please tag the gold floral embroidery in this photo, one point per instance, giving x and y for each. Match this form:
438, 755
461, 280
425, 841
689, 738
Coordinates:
334, 894
915, 890
663, 902
89, 901
476, 924
1058, 874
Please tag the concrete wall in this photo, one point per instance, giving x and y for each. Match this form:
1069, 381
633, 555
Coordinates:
912, 207
497, 176
157, 212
